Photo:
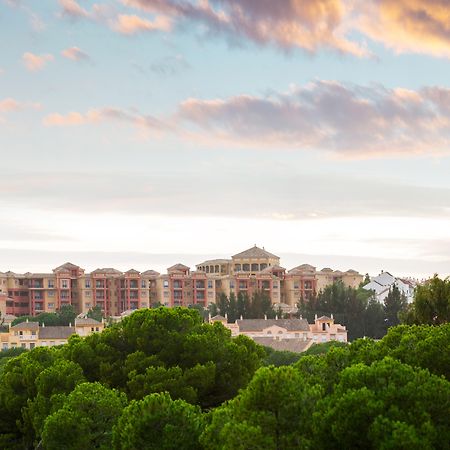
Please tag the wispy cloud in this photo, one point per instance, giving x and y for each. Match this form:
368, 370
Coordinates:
413, 26
10, 104
34, 62
103, 115
169, 65
348, 120
132, 24
75, 54
287, 24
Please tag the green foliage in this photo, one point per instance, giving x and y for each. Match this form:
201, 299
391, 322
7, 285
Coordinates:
274, 412
65, 316
256, 307
431, 304
85, 420
95, 313
357, 309
325, 347
386, 396
394, 305
280, 358
160, 423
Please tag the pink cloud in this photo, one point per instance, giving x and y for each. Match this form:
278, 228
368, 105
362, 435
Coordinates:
72, 9
75, 54
34, 62
9, 104
131, 24
351, 121
288, 24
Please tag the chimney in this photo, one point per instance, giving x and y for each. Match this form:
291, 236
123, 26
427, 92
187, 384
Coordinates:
276, 317
315, 316
265, 316
27, 319
70, 324
226, 316
43, 324
332, 316
209, 317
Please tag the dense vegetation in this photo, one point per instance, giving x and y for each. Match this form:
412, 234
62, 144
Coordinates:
163, 379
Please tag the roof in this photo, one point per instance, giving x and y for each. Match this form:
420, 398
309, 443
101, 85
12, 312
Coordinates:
275, 267
107, 270
86, 321
303, 267
132, 271
326, 269
178, 266
261, 324
150, 273
26, 326
214, 261
218, 318
66, 266
255, 252
325, 318
291, 345
56, 332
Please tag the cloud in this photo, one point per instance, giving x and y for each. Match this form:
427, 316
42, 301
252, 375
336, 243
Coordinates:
290, 195
414, 26
103, 115
72, 9
287, 24
349, 120
75, 54
132, 24
169, 65
8, 105
34, 62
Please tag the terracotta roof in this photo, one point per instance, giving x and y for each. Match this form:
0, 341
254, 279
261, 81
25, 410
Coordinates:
255, 252
150, 273
66, 266
218, 318
178, 266
56, 332
270, 269
261, 324
325, 318
133, 271
26, 326
214, 261
291, 345
107, 270
302, 267
86, 321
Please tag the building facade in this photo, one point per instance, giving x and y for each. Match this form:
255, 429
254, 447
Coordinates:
250, 271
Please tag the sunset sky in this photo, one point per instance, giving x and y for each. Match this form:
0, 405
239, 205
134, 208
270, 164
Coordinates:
141, 133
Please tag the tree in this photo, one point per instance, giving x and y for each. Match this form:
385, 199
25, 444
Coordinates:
66, 315
158, 422
431, 303
394, 304
275, 409
223, 304
85, 420
232, 308
385, 405
95, 313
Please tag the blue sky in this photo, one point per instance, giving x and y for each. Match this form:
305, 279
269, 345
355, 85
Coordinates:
196, 128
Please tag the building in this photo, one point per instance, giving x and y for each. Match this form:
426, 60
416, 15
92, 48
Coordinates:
30, 334
382, 284
252, 270
287, 334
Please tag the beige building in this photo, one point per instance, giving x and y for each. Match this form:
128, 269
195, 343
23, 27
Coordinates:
30, 334
287, 334
250, 271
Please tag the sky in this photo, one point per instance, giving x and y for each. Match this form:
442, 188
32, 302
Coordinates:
141, 133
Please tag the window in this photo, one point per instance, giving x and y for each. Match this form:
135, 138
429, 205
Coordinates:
87, 284
231, 284
237, 267
51, 284
87, 293
51, 293
51, 305
255, 267
32, 345
64, 284
210, 284
246, 267
166, 283
143, 284
87, 305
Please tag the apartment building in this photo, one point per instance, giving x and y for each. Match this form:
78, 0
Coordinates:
252, 270
295, 335
31, 334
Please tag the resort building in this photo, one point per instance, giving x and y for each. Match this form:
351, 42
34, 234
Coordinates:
295, 335
250, 271
31, 334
